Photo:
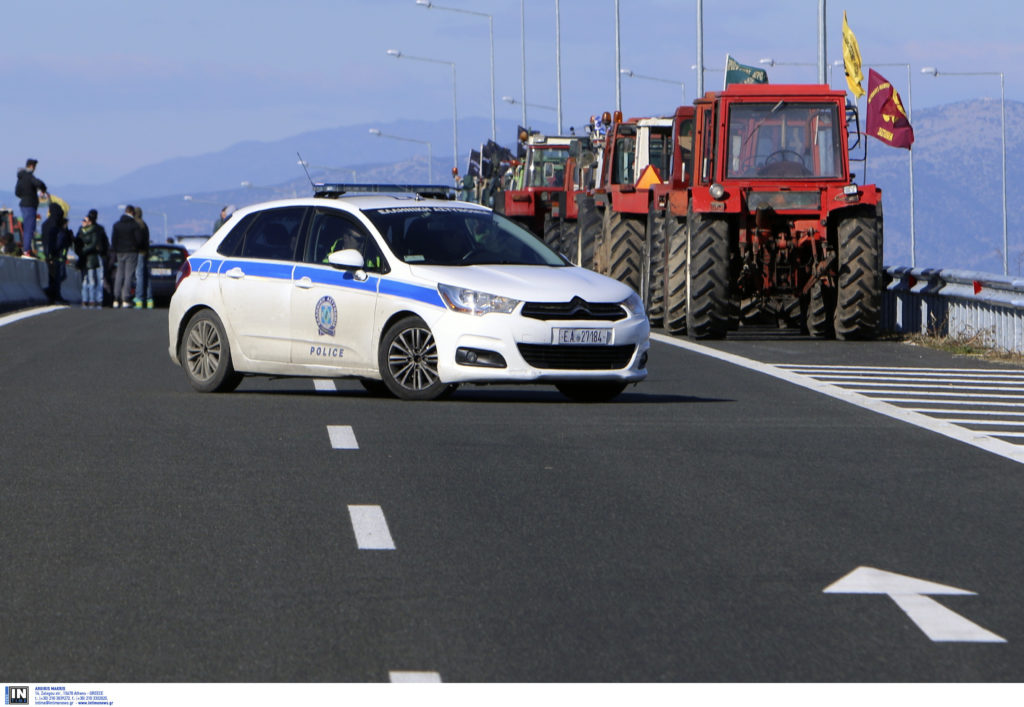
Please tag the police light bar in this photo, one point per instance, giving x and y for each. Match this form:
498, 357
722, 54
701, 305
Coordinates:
427, 191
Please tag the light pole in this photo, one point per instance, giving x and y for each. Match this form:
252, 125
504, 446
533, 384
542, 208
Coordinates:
1002, 108
455, 109
522, 41
430, 148
631, 74
490, 23
558, 63
910, 100
513, 101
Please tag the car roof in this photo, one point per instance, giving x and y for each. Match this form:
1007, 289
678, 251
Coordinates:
364, 201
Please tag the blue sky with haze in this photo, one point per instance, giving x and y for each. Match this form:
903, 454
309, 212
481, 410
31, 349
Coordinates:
96, 89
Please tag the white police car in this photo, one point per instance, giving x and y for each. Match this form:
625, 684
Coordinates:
411, 294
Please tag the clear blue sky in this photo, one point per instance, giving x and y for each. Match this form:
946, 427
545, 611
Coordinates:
96, 89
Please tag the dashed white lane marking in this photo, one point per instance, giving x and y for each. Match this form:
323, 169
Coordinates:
414, 676
324, 385
342, 437
960, 434
371, 528
25, 314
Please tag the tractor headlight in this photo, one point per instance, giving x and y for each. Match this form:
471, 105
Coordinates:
460, 299
717, 191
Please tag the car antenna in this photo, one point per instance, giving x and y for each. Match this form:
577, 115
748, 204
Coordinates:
306, 170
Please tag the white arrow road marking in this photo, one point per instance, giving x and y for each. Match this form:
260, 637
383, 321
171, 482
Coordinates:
414, 676
371, 528
938, 623
342, 437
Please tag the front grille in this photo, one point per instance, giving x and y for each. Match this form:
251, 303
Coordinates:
578, 309
583, 358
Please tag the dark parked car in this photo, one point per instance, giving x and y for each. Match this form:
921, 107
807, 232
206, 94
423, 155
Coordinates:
164, 262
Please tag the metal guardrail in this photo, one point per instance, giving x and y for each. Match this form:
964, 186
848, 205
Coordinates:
956, 303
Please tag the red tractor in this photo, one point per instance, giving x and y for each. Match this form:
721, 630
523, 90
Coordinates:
774, 224
537, 181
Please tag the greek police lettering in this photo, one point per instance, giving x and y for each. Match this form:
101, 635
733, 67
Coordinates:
16, 695
327, 351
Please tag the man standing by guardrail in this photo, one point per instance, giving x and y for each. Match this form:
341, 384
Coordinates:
28, 190
124, 242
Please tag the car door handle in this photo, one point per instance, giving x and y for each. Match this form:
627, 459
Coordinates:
304, 282
235, 272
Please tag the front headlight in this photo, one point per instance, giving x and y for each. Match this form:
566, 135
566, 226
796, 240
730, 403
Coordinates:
634, 305
459, 299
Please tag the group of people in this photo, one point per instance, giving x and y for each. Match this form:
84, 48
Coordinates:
113, 263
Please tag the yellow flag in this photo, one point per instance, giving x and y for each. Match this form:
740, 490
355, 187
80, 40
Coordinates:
851, 60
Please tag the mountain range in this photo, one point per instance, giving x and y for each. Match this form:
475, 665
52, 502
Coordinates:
957, 153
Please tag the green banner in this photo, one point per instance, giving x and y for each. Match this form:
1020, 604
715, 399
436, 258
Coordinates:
736, 72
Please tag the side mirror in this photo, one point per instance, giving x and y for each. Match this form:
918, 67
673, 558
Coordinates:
349, 259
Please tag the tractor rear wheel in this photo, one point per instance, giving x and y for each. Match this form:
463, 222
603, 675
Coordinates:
588, 225
859, 297
675, 274
623, 247
707, 277
821, 309
656, 269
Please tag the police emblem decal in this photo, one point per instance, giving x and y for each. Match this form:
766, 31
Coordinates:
326, 315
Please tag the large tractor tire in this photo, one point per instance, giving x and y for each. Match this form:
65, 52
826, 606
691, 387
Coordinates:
707, 277
859, 296
622, 247
588, 226
552, 232
656, 269
820, 312
674, 317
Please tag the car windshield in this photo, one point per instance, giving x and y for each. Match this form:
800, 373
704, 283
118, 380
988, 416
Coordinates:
788, 140
450, 235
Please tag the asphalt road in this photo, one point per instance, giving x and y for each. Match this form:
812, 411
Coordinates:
685, 532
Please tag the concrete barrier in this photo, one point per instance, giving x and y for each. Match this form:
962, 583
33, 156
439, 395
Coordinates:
23, 283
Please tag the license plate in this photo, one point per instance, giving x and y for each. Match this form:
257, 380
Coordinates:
160, 271
600, 337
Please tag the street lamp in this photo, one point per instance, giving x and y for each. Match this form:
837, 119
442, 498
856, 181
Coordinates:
455, 110
490, 23
513, 101
631, 74
1002, 106
430, 149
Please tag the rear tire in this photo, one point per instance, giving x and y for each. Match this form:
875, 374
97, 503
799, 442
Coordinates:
407, 361
707, 277
656, 272
552, 233
205, 355
859, 296
591, 391
587, 227
624, 245
675, 274
821, 309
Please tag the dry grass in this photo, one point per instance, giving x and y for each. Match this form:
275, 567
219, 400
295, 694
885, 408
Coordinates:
976, 344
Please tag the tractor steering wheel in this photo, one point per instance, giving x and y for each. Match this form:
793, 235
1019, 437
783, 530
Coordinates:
781, 154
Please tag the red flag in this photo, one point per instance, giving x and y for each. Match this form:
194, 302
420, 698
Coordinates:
887, 120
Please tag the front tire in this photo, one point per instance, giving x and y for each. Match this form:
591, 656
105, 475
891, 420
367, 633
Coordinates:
675, 274
591, 391
205, 355
407, 361
624, 247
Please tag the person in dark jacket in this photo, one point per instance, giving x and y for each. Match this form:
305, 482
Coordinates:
28, 190
89, 241
143, 286
55, 248
125, 239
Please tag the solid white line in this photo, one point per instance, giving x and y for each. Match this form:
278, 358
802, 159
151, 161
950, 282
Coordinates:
324, 385
884, 380
371, 528
25, 314
964, 421
899, 369
929, 401
342, 437
936, 393
995, 446
931, 387
950, 411
414, 676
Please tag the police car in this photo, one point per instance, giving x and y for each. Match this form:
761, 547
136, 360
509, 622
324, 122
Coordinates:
408, 291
